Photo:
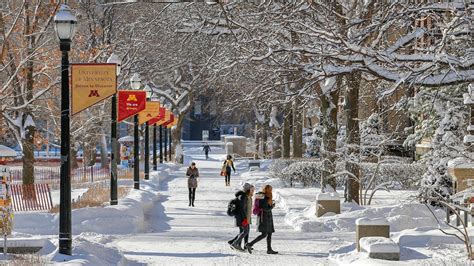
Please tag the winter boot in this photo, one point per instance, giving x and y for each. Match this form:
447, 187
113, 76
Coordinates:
236, 247
269, 245
249, 248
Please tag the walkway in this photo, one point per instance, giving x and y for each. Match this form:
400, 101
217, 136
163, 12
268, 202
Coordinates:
182, 235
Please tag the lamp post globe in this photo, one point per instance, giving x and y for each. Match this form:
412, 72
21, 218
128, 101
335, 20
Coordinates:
148, 91
135, 81
114, 59
65, 23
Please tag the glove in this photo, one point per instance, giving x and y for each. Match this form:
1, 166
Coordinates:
245, 222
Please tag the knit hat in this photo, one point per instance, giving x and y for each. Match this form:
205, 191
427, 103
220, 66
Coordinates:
247, 187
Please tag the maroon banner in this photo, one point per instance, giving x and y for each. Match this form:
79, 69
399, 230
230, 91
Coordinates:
169, 122
130, 103
159, 117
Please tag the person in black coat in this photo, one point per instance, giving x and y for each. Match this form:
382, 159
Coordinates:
265, 221
236, 242
241, 219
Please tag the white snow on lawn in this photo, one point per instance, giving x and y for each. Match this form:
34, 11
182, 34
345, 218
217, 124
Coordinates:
155, 225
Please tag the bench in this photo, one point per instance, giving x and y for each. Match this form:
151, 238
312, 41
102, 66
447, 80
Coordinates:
380, 248
254, 164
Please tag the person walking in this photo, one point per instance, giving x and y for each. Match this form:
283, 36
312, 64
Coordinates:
192, 173
265, 221
206, 150
227, 168
236, 242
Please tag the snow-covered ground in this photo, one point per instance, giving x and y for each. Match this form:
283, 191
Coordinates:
155, 225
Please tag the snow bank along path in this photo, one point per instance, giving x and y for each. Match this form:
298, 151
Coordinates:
182, 235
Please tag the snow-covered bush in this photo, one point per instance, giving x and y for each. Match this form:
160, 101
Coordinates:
307, 173
405, 175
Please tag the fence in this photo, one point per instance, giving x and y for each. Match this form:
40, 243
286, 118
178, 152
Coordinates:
34, 197
79, 176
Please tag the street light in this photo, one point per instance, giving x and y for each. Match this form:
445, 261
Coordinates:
65, 27
154, 98
136, 83
114, 59
147, 138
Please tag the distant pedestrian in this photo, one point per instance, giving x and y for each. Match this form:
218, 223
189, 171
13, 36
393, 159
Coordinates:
236, 243
265, 220
192, 173
206, 150
227, 167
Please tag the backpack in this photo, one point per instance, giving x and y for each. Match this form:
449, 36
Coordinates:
232, 207
256, 205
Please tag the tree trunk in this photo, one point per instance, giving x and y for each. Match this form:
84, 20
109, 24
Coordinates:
276, 143
176, 138
297, 129
28, 174
257, 139
74, 162
264, 139
287, 124
353, 137
329, 100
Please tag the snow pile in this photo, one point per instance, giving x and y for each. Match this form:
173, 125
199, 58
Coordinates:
88, 249
399, 217
379, 245
125, 218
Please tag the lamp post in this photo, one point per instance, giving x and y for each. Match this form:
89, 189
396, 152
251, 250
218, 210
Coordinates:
65, 27
114, 59
147, 139
166, 143
161, 144
169, 152
136, 83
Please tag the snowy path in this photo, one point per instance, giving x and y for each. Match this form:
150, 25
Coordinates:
182, 235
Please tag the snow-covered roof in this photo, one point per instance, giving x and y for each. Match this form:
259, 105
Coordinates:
7, 152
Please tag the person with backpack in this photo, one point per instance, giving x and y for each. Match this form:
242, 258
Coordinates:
227, 168
249, 190
206, 150
242, 215
192, 173
265, 219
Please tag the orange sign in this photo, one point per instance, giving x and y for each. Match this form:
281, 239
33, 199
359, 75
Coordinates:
152, 110
90, 84
130, 103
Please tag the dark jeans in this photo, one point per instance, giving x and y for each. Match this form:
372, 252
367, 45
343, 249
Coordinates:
192, 195
243, 234
227, 177
262, 236
207, 155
